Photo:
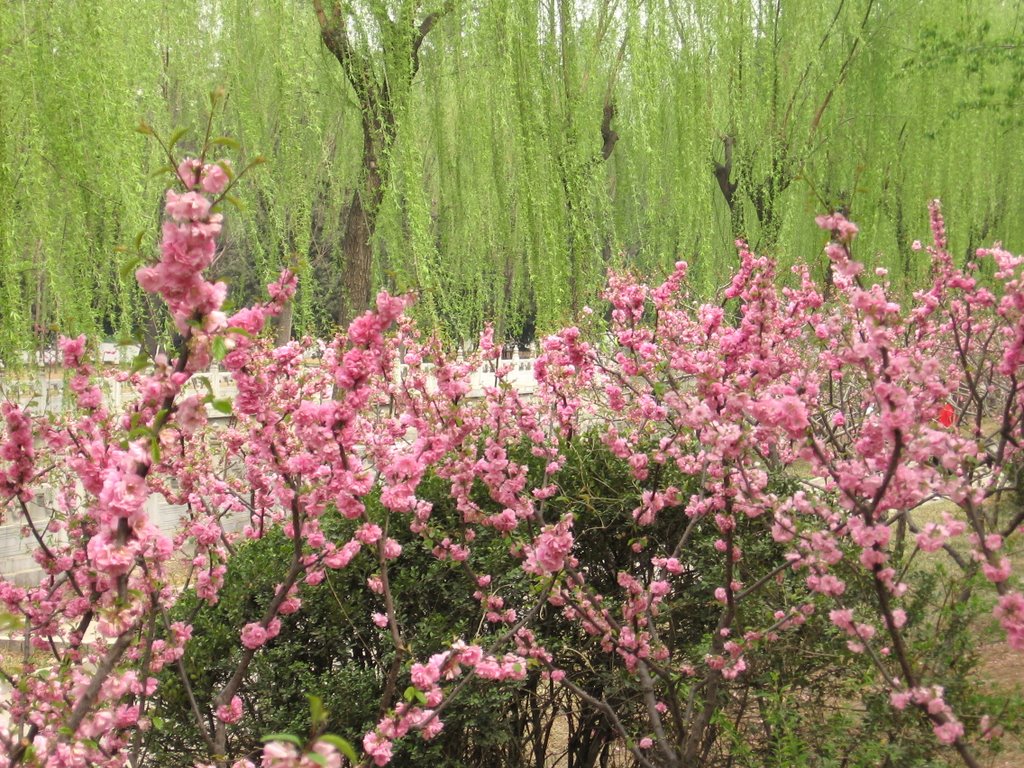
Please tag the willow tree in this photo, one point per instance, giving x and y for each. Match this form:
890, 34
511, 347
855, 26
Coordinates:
503, 206
70, 166
280, 106
962, 94
378, 48
748, 118
727, 104
496, 158
585, 92
78, 78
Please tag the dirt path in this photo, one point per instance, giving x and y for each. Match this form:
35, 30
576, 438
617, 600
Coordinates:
1002, 668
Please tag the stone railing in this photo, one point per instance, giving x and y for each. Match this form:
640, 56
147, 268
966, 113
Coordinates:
17, 561
44, 388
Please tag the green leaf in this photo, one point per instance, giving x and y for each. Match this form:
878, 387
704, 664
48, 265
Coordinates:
9, 621
226, 141
141, 431
412, 693
177, 136
239, 331
289, 737
316, 709
235, 202
129, 267
162, 170
222, 405
219, 348
154, 450
158, 723
317, 758
140, 361
342, 746
145, 128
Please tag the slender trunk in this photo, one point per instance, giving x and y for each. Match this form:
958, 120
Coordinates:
283, 332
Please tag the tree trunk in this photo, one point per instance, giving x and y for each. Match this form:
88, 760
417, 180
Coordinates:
283, 331
360, 224
357, 267
376, 102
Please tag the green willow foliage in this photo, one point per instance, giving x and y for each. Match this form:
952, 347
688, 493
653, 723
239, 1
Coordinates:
539, 143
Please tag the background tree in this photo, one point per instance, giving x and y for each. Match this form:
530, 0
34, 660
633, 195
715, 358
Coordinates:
497, 157
378, 48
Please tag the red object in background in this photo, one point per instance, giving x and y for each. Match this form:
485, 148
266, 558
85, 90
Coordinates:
947, 415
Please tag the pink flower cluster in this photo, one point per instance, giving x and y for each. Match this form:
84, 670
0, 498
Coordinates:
188, 247
378, 743
17, 451
283, 754
550, 552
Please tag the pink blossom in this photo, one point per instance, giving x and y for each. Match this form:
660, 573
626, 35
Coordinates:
998, 573
424, 676
253, 635
949, 731
215, 179
190, 206
900, 699
368, 533
377, 748
550, 548
279, 754
72, 350
230, 713
188, 172
843, 229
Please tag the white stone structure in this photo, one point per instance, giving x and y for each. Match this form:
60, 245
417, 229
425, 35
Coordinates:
44, 389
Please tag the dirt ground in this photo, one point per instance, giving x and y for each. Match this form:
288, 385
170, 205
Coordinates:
1003, 669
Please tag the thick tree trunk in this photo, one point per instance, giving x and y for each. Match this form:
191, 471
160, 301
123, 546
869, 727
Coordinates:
283, 330
374, 95
357, 267
360, 224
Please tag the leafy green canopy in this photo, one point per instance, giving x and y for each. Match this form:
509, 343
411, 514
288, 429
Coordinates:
538, 144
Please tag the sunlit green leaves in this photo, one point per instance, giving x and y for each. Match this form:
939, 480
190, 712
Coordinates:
498, 203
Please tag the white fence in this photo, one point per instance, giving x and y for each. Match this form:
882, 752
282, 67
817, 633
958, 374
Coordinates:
44, 389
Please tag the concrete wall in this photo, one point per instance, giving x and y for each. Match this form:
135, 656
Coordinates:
17, 563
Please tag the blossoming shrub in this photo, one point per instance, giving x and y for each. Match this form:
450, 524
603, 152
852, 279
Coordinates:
330, 649
323, 651
778, 449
